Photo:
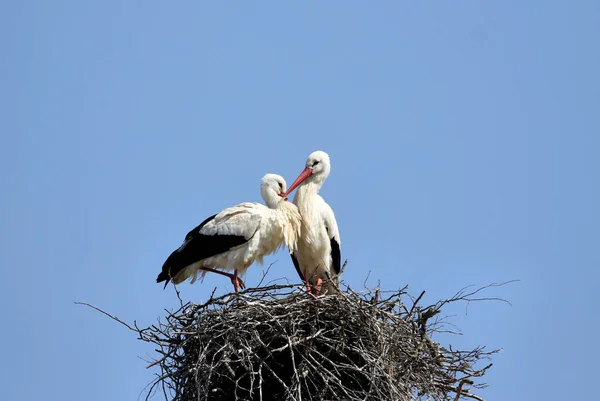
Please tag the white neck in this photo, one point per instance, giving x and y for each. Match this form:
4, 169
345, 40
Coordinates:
305, 194
271, 198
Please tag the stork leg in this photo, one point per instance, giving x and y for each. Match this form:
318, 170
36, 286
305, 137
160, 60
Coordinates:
235, 280
307, 284
318, 286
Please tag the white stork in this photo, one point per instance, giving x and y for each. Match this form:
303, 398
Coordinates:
236, 237
318, 255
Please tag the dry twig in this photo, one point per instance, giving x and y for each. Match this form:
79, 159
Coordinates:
279, 343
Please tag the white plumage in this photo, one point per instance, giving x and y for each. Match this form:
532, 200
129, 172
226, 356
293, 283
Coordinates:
318, 256
237, 237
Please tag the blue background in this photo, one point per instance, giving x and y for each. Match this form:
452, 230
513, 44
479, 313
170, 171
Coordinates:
464, 139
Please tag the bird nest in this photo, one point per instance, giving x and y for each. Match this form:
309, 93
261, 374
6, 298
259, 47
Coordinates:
280, 343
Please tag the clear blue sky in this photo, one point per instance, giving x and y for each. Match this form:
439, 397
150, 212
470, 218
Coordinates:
464, 138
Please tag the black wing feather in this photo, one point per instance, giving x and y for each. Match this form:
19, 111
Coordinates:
297, 266
336, 256
197, 229
198, 246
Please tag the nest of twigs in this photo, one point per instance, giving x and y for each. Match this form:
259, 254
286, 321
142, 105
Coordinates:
280, 343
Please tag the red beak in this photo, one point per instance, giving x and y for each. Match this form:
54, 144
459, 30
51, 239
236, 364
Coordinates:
303, 176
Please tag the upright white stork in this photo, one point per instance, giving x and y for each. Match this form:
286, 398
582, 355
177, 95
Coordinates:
236, 237
318, 255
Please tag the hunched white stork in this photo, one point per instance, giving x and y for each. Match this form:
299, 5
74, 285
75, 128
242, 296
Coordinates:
318, 256
236, 237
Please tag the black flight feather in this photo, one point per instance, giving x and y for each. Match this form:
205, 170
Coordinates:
336, 256
197, 247
297, 266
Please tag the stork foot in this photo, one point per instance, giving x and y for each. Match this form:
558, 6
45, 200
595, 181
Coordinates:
308, 288
237, 282
318, 287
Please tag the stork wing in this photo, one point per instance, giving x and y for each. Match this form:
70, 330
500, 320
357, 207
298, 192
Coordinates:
220, 233
336, 256
297, 266
334, 235
196, 230
240, 220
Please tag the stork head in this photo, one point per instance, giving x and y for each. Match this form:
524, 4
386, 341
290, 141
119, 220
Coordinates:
316, 170
272, 189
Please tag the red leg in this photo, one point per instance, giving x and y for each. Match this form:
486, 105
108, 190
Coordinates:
318, 286
307, 284
239, 281
235, 280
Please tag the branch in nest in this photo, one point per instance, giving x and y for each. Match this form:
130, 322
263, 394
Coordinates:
279, 343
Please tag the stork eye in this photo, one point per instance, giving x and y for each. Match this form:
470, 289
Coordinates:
280, 186
315, 163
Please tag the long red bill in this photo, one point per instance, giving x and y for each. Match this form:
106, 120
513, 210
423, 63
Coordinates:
303, 176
